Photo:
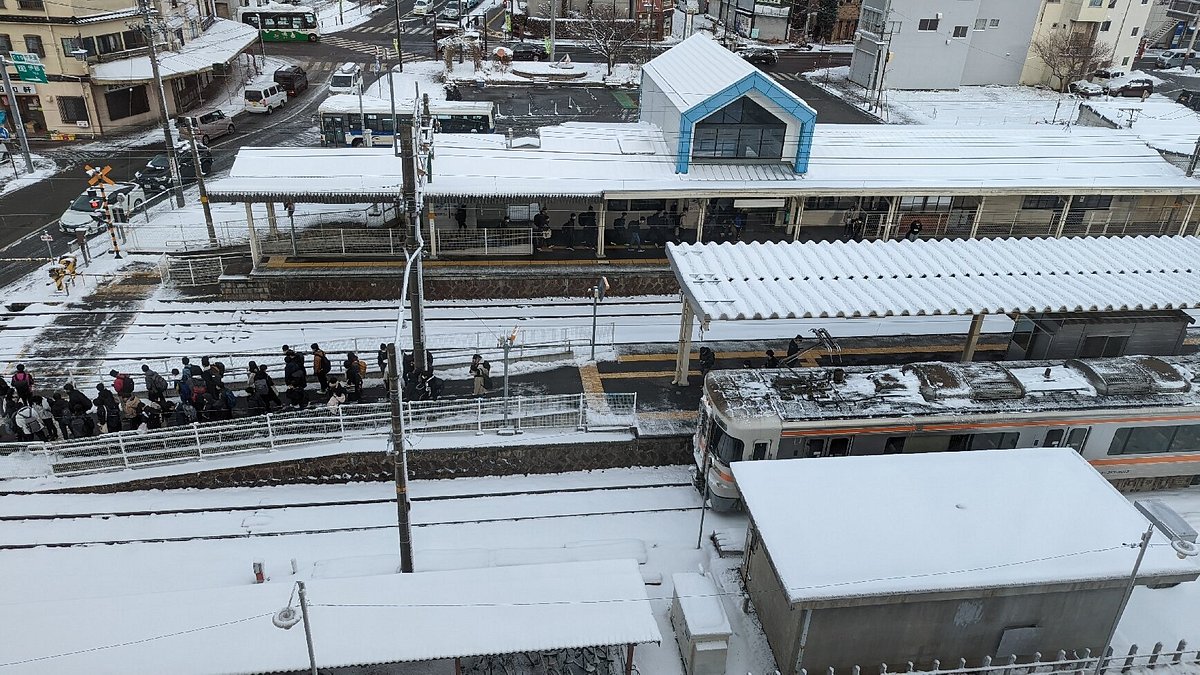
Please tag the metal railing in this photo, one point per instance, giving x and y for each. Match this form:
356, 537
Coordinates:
337, 242
194, 271
1077, 663
265, 433
482, 242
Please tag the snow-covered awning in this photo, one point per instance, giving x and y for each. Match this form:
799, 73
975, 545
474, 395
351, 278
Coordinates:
357, 621
312, 176
223, 41
733, 282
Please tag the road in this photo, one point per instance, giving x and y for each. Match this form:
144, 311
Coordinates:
27, 213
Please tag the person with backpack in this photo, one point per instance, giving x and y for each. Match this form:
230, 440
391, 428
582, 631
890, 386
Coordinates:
108, 410
296, 379
337, 394
76, 399
22, 383
481, 372
264, 386
29, 424
355, 369
122, 383
42, 409
156, 385
183, 384
185, 413
321, 367
133, 412
60, 410
189, 369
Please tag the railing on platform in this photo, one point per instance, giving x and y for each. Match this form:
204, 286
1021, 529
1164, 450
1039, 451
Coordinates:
195, 271
482, 242
265, 433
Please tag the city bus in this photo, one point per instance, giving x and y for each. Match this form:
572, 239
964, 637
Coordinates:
341, 124
283, 23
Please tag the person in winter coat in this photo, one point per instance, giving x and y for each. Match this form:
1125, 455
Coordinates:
568, 233
429, 387
153, 413
355, 369
132, 410
183, 384
122, 383
255, 403
191, 370
321, 367
772, 360
296, 380
793, 347
108, 410
60, 409
337, 394
22, 383
42, 409
479, 371
156, 385
251, 373
708, 360
265, 387
29, 425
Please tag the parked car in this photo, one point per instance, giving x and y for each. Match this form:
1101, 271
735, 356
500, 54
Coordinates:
156, 175
209, 125
1140, 87
1189, 98
528, 51
1105, 75
124, 197
1085, 89
759, 56
449, 14
293, 79
264, 98
1173, 58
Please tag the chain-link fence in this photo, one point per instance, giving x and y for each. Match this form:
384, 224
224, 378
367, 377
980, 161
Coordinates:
194, 271
483, 242
132, 449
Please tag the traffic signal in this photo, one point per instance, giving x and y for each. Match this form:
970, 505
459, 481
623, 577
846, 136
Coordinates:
94, 200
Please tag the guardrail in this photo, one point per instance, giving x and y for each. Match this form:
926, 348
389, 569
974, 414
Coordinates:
266, 433
195, 271
481, 242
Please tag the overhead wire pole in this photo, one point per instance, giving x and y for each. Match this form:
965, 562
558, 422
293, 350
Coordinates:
400, 456
16, 113
198, 169
399, 51
417, 141
172, 159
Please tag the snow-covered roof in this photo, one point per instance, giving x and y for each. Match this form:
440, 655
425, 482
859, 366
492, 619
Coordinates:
733, 282
1159, 121
681, 78
355, 621
219, 44
868, 527
323, 175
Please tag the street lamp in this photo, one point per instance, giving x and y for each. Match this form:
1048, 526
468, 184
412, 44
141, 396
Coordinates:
1182, 547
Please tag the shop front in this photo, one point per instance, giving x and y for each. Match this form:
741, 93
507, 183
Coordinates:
30, 106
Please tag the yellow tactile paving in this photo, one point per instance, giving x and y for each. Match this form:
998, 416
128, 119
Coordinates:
669, 415
647, 374
902, 349
591, 379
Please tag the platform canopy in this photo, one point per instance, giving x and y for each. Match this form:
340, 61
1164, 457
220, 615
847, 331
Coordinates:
355, 621
311, 176
736, 282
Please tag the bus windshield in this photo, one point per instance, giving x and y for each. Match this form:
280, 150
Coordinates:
723, 446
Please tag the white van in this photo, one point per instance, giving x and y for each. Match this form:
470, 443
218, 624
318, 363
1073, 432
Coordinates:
264, 98
1173, 58
347, 79
421, 7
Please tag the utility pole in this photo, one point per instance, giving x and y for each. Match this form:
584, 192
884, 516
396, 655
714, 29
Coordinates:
553, 21
400, 50
198, 169
417, 291
399, 461
16, 113
172, 159
312, 657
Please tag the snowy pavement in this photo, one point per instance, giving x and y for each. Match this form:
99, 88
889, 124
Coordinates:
664, 542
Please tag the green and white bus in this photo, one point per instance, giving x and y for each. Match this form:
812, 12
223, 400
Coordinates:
283, 23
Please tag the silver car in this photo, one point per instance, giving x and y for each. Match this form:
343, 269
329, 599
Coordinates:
210, 125
127, 197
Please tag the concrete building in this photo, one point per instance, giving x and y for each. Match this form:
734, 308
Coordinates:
1117, 24
930, 556
763, 20
95, 57
941, 44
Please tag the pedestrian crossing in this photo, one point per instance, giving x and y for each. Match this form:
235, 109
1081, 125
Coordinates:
390, 29
789, 77
367, 49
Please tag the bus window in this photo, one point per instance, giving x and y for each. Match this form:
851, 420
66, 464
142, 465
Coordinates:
894, 445
816, 447
310, 21
1077, 438
1053, 438
839, 447
251, 19
760, 449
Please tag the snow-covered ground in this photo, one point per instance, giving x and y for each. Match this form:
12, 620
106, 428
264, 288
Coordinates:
13, 173
335, 16
624, 74
660, 534
1164, 124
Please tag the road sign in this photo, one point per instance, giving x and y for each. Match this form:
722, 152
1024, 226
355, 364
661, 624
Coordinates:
97, 175
3, 133
46, 237
29, 67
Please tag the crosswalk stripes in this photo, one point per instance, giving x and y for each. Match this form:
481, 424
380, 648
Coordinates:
387, 29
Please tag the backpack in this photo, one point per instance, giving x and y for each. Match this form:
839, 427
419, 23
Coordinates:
199, 388
362, 367
158, 382
230, 399
188, 411
486, 368
21, 380
261, 387
123, 384
320, 362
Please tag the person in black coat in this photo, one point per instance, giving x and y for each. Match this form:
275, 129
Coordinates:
108, 410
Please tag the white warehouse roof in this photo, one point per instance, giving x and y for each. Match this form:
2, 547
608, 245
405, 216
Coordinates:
886, 526
730, 282
355, 621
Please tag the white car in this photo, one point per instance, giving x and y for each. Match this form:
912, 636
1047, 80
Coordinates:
127, 197
1085, 89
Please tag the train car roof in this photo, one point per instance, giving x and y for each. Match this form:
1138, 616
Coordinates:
934, 388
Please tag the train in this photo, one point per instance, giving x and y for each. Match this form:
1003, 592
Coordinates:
1136, 419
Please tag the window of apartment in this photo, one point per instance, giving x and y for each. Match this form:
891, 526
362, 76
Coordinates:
1095, 3
1040, 202
993, 23
31, 4
109, 43
1134, 32
1125, 61
5, 44
127, 102
33, 45
1104, 26
133, 39
72, 109
961, 31
870, 20
928, 24
980, 24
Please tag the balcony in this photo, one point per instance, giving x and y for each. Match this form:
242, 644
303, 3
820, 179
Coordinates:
1183, 9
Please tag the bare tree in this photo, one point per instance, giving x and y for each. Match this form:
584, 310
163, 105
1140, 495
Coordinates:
605, 32
1070, 56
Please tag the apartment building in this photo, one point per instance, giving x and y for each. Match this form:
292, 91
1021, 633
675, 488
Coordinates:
1117, 24
96, 58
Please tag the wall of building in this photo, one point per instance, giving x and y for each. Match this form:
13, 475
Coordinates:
928, 59
920, 631
997, 52
780, 623
1120, 26
656, 109
1127, 28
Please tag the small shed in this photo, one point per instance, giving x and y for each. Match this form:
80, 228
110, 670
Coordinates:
893, 558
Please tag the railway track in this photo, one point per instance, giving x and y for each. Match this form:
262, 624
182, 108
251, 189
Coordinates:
657, 498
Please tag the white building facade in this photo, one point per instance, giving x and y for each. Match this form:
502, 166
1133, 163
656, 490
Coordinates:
1118, 24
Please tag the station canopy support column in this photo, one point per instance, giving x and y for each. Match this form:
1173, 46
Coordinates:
683, 355
968, 354
255, 249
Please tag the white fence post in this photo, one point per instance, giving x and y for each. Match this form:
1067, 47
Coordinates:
196, 435
479, 417
342, 235
582, 402
485, 242
270, 432
124, 457
520, 417
341, 420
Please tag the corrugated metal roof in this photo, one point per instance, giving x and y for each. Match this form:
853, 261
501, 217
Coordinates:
732, 282
678, 73
355, 621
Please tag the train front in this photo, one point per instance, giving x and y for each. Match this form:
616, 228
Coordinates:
735, 414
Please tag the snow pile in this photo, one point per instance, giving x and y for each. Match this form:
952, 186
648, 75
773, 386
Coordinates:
13, 174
